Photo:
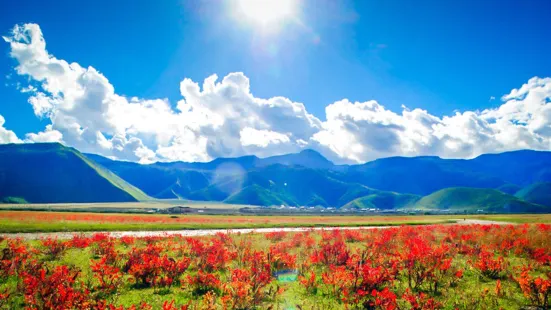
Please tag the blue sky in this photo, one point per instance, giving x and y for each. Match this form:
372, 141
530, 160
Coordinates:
438, 56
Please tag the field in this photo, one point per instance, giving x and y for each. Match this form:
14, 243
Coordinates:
123, 206
36, 221
407, 267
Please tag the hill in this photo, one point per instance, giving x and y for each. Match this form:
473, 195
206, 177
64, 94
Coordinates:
509, 188
287, 185
52, 173
256, 195
383, 201
474, 199
539, 193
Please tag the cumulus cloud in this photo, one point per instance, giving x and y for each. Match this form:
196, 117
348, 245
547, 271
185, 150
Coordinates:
48, 135
7, 136
86, 113
363, 131
222, 117
261, 138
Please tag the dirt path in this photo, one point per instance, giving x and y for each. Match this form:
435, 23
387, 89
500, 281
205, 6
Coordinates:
208, 232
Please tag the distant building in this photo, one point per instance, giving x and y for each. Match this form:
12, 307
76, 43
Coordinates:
178, 210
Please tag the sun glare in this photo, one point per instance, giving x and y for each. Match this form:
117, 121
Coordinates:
266, 12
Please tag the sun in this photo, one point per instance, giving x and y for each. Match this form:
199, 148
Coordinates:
266, 12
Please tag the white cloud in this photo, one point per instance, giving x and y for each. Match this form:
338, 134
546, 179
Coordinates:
7, 136
223, 118
364, 131
84, 108
261, 138
48, 135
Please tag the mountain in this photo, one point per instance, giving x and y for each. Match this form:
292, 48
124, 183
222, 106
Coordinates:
311, 179
539, 193
256, 195
519, 167
426, 174
289, 185
306, 158
418, 175
162, 181
474, 199
181, 179
52, 173
509, 188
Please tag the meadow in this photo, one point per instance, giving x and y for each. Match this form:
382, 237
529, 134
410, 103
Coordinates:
406, 267
44, 221
38, 221
138, 206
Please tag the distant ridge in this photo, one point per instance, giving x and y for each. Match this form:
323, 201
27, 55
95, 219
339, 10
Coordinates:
54, 173
51, 173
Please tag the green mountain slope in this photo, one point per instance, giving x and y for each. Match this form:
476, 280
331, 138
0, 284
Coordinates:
473, 199
426, 174
307, 178
509, 188
417, 175
539, 193
256, 195
51, 172
294, 186
383, 201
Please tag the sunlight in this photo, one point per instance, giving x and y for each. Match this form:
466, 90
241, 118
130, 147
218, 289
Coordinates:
266, 12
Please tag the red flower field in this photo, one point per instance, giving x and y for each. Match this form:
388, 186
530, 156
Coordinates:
407, 267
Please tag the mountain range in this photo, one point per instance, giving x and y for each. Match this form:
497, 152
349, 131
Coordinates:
518, 181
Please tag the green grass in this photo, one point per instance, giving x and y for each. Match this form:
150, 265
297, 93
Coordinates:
122, 206
37, 221
7, 226
518, 218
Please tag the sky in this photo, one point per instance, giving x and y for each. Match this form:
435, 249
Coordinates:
200, 79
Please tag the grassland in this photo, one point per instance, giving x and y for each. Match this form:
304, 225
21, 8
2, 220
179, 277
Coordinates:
123, 206
517, 218
38, 221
